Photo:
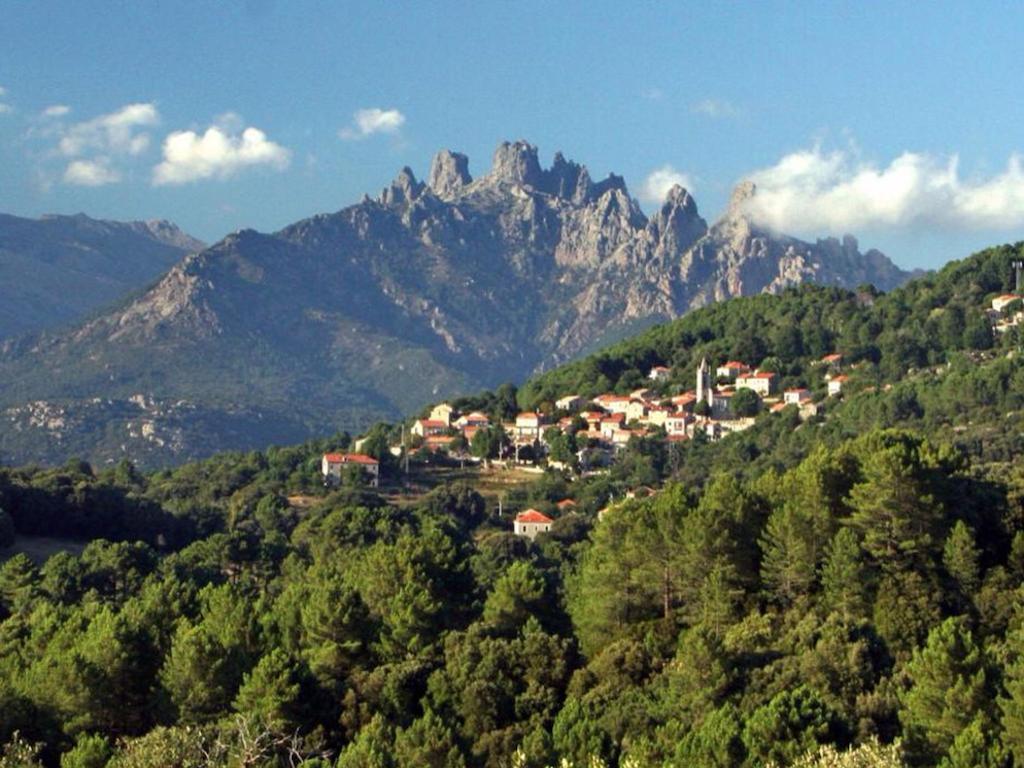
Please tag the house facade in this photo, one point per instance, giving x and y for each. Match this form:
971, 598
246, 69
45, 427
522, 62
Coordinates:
333, 464
530, 523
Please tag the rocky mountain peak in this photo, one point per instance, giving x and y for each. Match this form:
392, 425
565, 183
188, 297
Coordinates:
678, 223
404, 189
449, 173
739, 201
517, 163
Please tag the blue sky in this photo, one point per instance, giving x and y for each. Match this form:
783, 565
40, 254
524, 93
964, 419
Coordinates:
898, 122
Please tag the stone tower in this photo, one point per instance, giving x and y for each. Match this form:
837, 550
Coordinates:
704, 382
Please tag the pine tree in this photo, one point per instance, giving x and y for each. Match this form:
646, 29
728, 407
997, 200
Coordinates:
949, 689
844, 577
961, 558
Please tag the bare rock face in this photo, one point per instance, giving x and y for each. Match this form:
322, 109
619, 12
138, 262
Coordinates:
449, 173
428, 291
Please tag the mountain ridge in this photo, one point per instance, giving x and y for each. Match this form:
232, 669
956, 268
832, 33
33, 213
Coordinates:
431, 289
57, 269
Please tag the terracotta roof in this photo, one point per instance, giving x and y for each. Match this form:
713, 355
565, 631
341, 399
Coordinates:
350, 458
761, 375
834, 357
533, 516
734, 364
796, 390
432, 423
527, 415
1007, 297
566, 503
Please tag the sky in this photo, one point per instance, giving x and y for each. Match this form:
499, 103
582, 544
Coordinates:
897, 122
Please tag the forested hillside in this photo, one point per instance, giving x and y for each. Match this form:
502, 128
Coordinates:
840, 591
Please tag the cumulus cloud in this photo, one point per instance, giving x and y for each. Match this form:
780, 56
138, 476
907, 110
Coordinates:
660, 181
57, 110
91, 173
117, 133
367, 122
4, 108
715, 108
216, 153
815, 191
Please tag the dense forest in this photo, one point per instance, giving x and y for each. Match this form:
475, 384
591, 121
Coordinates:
840, 591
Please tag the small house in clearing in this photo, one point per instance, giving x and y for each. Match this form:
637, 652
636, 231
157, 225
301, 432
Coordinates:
530, 523
660, 373
835, 385
333, 465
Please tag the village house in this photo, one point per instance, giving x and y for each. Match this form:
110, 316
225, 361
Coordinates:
834, 361
835, 385
593, 419
636, 411
731, 370
685, 401
474, 419
763, 383
721, 404
614, 403
656, 416
429, 427
528, 427
442, 412
677, 423
644, 393
332, 465
569, 403
660, 373
999, 303
530, 523
796, 396
611, 423
566, 505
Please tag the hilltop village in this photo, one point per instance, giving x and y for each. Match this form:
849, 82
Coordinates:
584, 434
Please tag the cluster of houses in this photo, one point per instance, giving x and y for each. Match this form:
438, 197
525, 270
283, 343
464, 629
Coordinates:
1000, 315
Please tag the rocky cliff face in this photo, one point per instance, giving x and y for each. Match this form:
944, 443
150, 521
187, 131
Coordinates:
428, 290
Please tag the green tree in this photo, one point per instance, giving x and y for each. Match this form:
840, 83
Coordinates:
790, 725
949, 688
844, 577
517, 595
271, 693
90, 751
745, 403
961, 557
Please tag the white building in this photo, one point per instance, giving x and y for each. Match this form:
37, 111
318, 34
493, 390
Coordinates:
660, 373
333, 464
530, 523
762, 383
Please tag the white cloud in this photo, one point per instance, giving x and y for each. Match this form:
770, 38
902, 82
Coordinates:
3, 91
5, 108
57, 110
715, 108
367, 122
812, 191
91, 173
652, 94
659, 181
116, 133
217, 153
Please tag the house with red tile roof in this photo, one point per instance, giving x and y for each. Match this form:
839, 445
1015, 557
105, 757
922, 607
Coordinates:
762, 382
835, 385
660, 373
428, 427
731, 370
530, 523
332, 465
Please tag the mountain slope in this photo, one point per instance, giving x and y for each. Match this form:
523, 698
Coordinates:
429, 290
57, 269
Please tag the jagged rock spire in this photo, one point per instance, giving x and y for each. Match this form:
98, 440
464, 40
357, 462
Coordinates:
449, 173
